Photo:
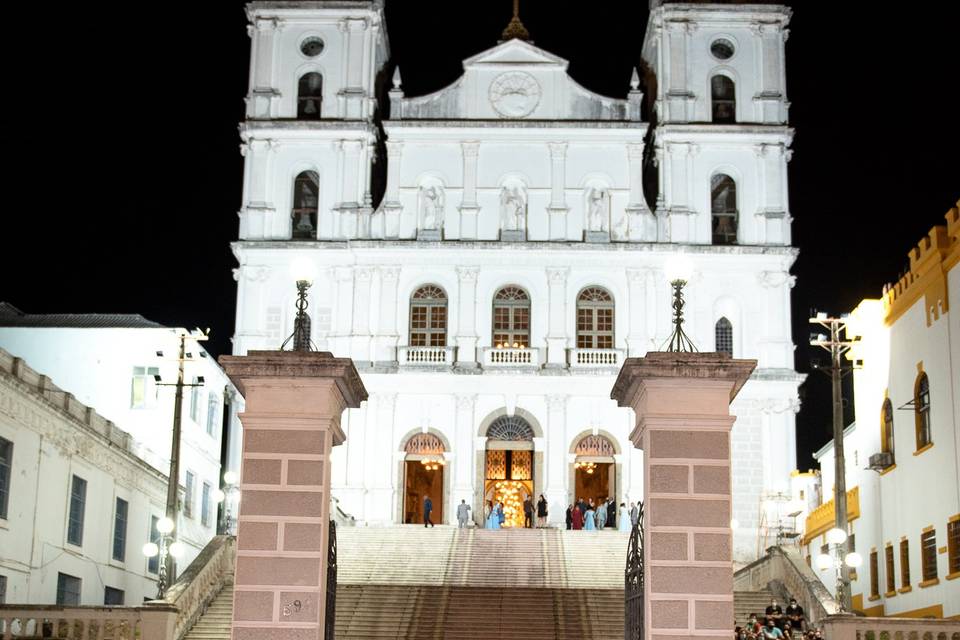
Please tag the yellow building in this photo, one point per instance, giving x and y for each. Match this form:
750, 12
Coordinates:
903, 452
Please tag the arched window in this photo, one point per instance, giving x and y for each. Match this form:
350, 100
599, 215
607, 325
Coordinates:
886, 429
510, 428
309, 96
723, 206
306, 200
724, 336
595, 446
424, 444
428, 317
724, 99
594, 319
511, 318
921, 408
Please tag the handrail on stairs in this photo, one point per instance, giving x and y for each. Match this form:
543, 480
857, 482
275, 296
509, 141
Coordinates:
783, 570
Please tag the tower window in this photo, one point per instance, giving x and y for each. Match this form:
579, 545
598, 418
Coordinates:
921, 401
428, 317
723, 206
310, 96
724, 99
594, 319
724, 336
511, 318
306, 201
722, 49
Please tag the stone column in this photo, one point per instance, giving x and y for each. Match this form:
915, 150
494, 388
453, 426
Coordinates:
637, 343
557, 320
557, 466
294, 402
682, 406
350, 198
386, 339
391, 201
463, 447
262, 93
469, 208
258, 211
467, 318
361, 339
557, 211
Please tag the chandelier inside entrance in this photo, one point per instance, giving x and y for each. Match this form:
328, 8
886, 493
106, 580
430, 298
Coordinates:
432, 464
589, 467
511, 493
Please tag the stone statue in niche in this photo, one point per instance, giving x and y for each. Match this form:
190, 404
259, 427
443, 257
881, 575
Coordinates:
598, 209
431, 207
513, 209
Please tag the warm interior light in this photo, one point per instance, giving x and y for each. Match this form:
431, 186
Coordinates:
836, 536
165, 525
151, 549
824, 561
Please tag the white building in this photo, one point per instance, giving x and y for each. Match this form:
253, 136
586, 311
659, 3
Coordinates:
903, 454
515, 260
76, 502
124, 366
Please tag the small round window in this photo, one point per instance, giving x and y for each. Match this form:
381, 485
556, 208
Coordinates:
312, 47
722, 49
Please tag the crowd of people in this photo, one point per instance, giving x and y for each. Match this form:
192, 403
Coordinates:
586, 515
777, 623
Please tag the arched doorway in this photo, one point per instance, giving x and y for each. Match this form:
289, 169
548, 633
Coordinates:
423, 470
594, 469
509, 467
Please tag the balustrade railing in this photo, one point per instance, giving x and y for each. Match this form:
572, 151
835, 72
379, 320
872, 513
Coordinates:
200, 583
426, 356
848, 627
520, 358
154, 622
595, 358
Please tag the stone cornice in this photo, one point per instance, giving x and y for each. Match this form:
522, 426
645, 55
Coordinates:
663, 364
620, 125
296, 364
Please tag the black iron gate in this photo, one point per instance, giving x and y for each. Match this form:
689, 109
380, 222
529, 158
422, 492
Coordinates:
331, 606
633, 601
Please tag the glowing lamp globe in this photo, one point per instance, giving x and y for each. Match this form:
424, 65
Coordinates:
165, 525
734, 524
218, 495
836, 536
853, 559
302, 270
824, 561
151, 549
678, 268
178, 549
230, 477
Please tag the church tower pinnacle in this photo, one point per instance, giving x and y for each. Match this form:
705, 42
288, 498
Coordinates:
515, 29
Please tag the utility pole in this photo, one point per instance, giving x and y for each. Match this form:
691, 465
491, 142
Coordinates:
837, 348
173, 481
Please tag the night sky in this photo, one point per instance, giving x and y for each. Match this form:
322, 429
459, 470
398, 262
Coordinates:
124, 171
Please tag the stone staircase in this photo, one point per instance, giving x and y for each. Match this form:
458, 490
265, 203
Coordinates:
747, 602
412, 582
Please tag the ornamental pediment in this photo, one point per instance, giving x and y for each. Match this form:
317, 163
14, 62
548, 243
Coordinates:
514, 81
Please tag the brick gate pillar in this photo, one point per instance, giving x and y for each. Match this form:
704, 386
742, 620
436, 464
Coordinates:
682, 405
291, 423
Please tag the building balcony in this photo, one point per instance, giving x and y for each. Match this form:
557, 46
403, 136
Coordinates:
525, 358
595, 358
426, 357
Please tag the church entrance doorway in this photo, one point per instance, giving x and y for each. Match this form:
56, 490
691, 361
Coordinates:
423, 473
509, 468
594, 469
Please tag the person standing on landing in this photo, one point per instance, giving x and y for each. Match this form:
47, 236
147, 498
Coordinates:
541, 512
427, 508
463, 514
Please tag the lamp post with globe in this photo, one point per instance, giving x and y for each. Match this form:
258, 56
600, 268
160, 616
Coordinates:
168, 546
837, 561
229, 496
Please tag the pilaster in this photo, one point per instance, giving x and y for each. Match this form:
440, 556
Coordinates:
467, 318
469, 208
558, 209
556, 332
387, 336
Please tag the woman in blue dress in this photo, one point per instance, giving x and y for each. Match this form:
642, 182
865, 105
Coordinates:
589, 520
624, 524
493, 520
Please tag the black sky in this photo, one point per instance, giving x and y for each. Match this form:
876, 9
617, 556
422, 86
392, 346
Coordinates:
124, 174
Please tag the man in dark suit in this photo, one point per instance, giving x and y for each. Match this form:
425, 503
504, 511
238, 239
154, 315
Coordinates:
611, 513
582, 505
427, 508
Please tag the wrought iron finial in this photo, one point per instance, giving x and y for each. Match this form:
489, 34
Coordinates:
515, 29
679, 341
301, 325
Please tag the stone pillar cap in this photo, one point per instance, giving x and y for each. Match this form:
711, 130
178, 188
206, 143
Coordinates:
672, 364
297, 364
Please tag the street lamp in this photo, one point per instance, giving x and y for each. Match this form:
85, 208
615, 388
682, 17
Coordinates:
837, 561
303, 273
169, 546
230, 497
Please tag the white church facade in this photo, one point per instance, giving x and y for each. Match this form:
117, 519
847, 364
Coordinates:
517, 254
